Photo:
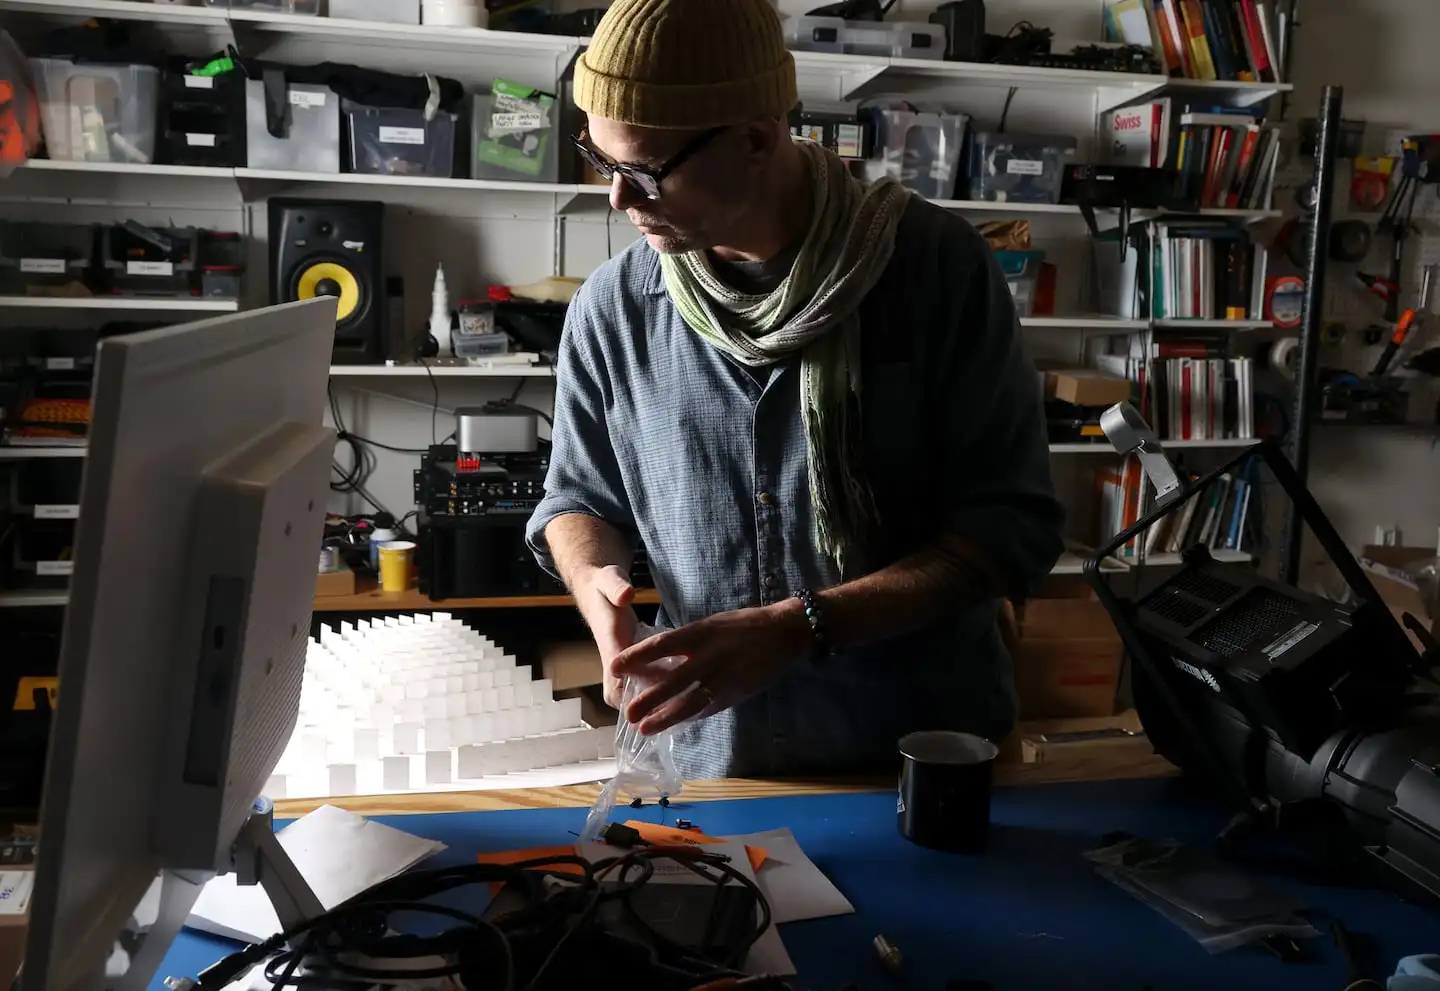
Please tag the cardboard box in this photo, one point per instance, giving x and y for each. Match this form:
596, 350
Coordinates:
1385, 567
571, 665
1062, 678
1065, 609
17, 878
338, 582
1087, 387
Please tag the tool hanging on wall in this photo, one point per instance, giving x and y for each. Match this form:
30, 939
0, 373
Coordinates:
1402, 330
1387, 290
1420, 163
1370, 182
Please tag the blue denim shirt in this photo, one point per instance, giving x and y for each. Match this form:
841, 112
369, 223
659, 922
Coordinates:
681, 447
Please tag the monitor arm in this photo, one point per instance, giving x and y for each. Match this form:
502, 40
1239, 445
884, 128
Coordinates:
260, 859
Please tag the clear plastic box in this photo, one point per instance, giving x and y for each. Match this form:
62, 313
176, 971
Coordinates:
97, 113
310, 7
922, 150
396, 141
1018, 168
41, 254
514, 135
1022, 272
389, 11
899, 39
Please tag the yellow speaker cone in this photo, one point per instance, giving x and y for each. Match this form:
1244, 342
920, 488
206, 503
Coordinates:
329, 279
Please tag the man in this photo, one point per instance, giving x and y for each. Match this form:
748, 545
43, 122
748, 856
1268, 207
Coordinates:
807, 398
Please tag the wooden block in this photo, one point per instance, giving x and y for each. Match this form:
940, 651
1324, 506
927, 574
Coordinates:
339, 582
1060, 678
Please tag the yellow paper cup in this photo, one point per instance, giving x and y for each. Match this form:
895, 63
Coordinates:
395, 558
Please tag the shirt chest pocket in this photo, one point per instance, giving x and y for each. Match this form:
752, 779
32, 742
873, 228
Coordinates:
890, 405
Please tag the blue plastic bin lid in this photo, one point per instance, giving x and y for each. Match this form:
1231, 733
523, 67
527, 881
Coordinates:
1018, 262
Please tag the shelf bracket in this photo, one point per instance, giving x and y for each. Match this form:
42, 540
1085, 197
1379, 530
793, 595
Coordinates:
1109, 97
850, 81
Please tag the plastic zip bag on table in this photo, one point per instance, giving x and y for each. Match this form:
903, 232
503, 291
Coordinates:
644, 765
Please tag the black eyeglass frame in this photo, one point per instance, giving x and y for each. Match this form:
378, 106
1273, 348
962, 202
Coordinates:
643, 178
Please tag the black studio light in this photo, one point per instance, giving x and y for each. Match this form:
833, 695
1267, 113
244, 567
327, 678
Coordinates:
1320, 721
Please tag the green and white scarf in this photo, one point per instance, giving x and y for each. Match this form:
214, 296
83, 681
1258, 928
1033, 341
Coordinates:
814, 311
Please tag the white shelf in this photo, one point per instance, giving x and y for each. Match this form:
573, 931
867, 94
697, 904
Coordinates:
1070, 210
1196, 324
1173, 560
23, 453
1113, 325
442, 371
413, 182
124, 10
1229, 443
127, 168
118, 303
33, 599
1072, 563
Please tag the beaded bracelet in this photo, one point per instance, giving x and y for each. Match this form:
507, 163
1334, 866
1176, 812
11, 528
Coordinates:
821, 640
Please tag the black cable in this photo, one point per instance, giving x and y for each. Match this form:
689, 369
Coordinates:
435, 406
559, 917
1005, 113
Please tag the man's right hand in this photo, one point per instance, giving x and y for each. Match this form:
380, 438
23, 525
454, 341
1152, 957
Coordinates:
604, 598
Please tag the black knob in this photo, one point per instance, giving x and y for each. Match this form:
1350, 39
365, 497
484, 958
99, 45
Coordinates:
327, 287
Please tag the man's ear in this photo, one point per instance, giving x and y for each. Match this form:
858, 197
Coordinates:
764, 135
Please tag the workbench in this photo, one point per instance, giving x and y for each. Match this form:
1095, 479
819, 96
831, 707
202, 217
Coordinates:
1029, 914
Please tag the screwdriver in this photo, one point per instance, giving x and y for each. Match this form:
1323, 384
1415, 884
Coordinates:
1402, 330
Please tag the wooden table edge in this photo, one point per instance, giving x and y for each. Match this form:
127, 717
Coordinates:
583, 796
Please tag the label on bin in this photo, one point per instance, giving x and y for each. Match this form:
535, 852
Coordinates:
149, 268
303, 98
57, 512
522, 121
54, 569
43, 266
200, 140
59, 364
15, 887
402, 135
1024, 166
199, 82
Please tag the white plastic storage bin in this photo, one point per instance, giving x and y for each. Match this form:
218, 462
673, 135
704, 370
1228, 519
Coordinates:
389, 11
900, 39
310, 138
922, 150
310, 7
97, 113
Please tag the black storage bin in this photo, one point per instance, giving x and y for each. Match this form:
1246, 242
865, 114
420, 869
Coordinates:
37, 554
202, 120
38, 255
150, 261
222, 263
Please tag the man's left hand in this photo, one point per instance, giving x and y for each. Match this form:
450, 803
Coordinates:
725, 659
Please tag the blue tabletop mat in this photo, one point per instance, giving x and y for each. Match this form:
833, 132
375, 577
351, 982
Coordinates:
1029, 914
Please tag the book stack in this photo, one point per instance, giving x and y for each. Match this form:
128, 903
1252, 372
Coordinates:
1187, 386
1220, 517
1234, 40
1202, 269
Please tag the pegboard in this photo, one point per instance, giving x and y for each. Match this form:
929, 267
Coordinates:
1347, 301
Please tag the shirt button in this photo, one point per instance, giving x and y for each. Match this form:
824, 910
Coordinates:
766, 499
771, 582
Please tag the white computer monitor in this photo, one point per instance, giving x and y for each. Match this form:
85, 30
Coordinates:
202, 511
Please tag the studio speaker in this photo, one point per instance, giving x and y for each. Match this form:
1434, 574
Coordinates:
333, 248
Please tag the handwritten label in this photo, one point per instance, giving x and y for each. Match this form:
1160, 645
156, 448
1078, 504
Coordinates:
149, 268
307, 98
402, 135
1024, 166
200, 140
54, 569
517, 121
57, 512
43, 266
199, 82
59, 364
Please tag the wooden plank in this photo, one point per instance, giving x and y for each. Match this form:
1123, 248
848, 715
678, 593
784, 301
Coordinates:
1008, 774
369, 598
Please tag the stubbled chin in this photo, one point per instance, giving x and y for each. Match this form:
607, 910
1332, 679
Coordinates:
668, 244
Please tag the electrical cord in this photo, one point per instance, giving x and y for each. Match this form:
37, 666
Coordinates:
525, 949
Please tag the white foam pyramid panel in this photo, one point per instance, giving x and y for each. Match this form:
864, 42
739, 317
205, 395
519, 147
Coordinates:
412, 702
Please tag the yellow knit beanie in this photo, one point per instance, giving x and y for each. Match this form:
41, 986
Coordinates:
687, 64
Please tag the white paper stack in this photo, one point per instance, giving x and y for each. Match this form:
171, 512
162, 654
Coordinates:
418, 702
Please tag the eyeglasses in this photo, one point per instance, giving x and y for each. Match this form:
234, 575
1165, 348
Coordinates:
643, 178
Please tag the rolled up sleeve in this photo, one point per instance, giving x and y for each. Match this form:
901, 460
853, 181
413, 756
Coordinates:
584, 475
997, 487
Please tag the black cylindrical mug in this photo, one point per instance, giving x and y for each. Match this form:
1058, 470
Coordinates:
945, 782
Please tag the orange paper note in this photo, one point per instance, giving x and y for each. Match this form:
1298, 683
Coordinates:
670, 836
520, 856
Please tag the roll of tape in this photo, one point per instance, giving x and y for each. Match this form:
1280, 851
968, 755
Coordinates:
1285, 357
1284, 300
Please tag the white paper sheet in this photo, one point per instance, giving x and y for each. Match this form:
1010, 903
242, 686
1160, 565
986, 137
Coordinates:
795, 888
339, 853
768, 955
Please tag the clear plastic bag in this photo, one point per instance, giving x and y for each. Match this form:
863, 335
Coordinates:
1219, 906
644, 765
